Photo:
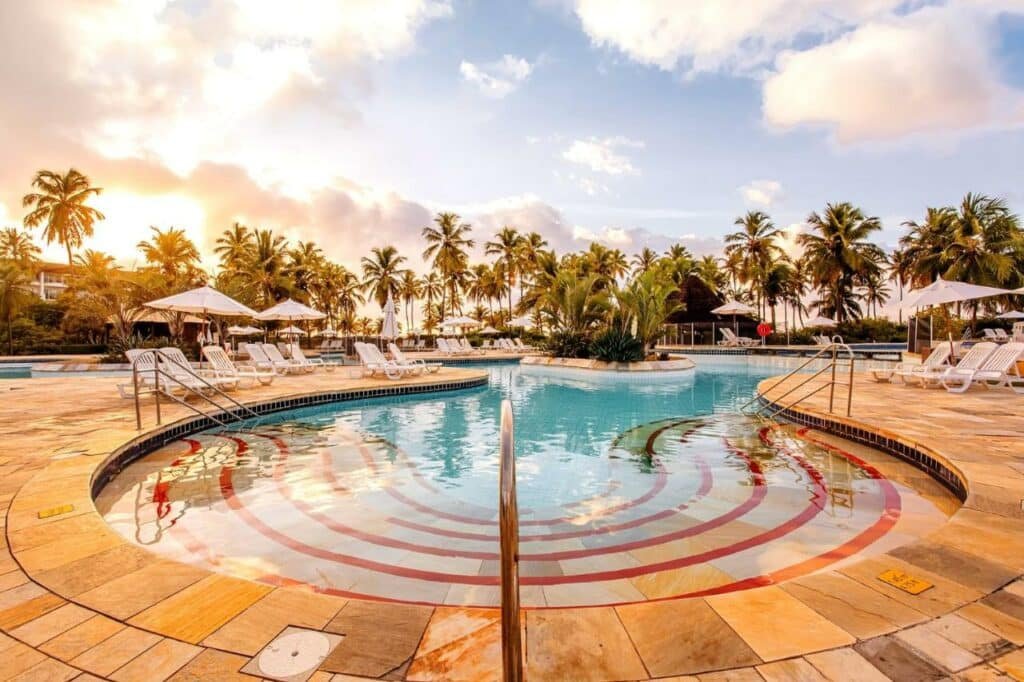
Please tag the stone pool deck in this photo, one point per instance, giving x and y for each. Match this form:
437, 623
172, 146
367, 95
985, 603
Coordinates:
77, 601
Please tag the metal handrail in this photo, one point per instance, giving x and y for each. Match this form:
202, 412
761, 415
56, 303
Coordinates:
158, 357
831, 352
508, 521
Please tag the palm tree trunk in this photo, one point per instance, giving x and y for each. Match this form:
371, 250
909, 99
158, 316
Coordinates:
70, 261
10, 333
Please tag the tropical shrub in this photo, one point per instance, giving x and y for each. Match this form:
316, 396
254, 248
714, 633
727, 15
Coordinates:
569, 344
616, 345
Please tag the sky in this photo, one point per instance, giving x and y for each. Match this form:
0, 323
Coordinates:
640, 123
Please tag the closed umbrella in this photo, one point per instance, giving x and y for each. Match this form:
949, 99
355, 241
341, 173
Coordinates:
389, 328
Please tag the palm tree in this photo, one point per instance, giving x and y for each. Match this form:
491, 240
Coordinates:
984, 238
14, 296
796, 287
304, 260
678, 251
60, 205
410, 289
350, 297
710, 273
644, 261
775, 285
839, 255
644, 305
447, 245
574, 303
876, 292
608, 264
756, 245
171, 252
431, 289
265, 268
533, 244
17, 246
382, 273
507, 245
234, 247
900, 268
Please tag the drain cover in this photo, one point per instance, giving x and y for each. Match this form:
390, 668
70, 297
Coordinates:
294, 655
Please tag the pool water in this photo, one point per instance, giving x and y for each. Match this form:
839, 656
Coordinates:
628, 491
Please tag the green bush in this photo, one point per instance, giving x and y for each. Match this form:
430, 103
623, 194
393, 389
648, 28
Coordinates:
615, 345
569, 345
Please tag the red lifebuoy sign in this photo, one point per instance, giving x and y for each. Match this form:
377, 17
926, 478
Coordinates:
764, 329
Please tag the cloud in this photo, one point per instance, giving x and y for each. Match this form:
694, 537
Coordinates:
588, 186
761, 193
928, 72
600, 155
497, 79
710, 35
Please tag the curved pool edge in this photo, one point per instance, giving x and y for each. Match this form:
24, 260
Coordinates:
73, 560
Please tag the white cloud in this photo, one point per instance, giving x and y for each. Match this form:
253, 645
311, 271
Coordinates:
588, 186
928, 72
761, 193
497, 79
601, 156
711, 35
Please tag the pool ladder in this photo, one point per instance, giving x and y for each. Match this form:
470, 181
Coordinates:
838, 361
150, 377
508, 522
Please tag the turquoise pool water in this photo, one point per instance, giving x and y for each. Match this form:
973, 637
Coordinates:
627, 491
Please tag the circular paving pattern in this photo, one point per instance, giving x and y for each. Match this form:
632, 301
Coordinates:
685, 507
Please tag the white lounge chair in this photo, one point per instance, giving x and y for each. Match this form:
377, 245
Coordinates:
468, 348
375, 362
731, 339
486, 344
259, 358
274, 353
998, 369
996, 335
937, 361
518, 343
174, 362
970, 363
399, 357
315, 363
224, 367
450, 347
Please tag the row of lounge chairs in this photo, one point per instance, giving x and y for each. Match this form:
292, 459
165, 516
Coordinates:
998, 335
730, 339
985, 364
456, 346
374, 362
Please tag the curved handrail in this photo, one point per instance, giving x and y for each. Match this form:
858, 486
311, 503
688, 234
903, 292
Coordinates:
508, 520
831, 353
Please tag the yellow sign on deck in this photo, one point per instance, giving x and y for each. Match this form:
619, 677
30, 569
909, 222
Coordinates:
56, 511
904, 581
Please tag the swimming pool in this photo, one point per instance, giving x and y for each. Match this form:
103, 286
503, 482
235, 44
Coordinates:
627, 492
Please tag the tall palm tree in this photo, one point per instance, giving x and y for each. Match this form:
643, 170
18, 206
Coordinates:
234, 247
839, 255
382, 273
984, 238
431, 289
171, 252
60, 206
410, 289
757, 246
900, 269
14, 296
608, 264
678, 251
507, 245
17, 246
350, 297
876, 292
448, 244
265, 269
574, 303
644, 261
533, 244
710, 273
304, 260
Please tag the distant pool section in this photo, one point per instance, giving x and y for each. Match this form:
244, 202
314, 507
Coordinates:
628, 492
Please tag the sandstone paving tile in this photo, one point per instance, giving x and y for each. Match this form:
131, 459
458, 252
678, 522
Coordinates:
777, 625
983, 673
19, 595
201, 608
581, 644
856, 608
684, 636
995, 621
126, 596
51, 624
1012, 664
963, 567
379, 637
81, 638
845, 664
1007, 602
897, 661
944, 596
59, 529
790, 670
737, 675
90, 572
28, 610
48, 670
214, 666
87, 677
459, 644
937, 649
67, 550
18, 658
967, 635
12, 579
115, 651
1016, 587
251, 630
157, 663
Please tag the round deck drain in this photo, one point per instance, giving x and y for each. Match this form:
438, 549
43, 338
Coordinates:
294, 653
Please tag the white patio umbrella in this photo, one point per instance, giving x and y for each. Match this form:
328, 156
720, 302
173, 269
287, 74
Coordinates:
944, 291
389, 328
1011, 315
327, 333
820, 321
290, 331
290, 311
203, 301
235, 330
522, 321
733, 308
462, 321
489, 330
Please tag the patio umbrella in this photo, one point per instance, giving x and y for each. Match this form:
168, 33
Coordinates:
488, 330
290, 331
462, 321
1011, 315
235, 330
733, 308
389, 328
203, 301
327, 333
820, 321
290, 311
522, 321
944, 291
